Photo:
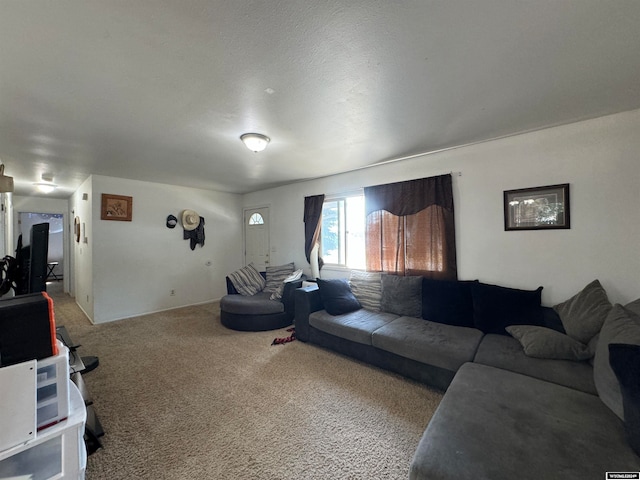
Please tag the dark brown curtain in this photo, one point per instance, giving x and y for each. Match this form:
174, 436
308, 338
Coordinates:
410, 228
312, 216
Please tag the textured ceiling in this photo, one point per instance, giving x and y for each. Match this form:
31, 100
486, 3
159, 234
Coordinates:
161, 90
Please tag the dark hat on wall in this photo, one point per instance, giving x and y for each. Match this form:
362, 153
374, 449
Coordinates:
172, 221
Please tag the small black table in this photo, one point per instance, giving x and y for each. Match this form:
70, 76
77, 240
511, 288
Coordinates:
50, 272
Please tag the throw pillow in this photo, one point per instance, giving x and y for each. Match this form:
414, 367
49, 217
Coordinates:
294, 277
620, 326
367, 288
542, 342
551, 319
449, 302
625, 362
402, 295
583, 314
496, 307
247, 280
337, 297
634, 306
276, 275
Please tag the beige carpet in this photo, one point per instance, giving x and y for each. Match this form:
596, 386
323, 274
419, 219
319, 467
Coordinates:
182, 397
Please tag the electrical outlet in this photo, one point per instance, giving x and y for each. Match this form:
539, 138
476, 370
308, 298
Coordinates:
173, 293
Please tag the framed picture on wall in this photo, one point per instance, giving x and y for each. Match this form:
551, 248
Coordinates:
116, 207
537, 208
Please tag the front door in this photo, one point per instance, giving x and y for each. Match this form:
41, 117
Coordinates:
256, 237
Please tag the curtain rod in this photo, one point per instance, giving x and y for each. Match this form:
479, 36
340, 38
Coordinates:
357, 190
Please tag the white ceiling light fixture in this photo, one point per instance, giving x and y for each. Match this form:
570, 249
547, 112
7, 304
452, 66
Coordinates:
255, 142
46, 185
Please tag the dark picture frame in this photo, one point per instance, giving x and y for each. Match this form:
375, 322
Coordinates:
537, 208
116, 207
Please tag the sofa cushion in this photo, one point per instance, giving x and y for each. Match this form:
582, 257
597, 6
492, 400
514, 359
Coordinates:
356, 326
449, 302
625, 362
506, 352
620, 326
293, 278
276, 275
337, 296
402, 295
258, 304
433, 343
551, 319
495, 307
495, 424
247, 280
634, 306
583, 314
367, 288
542, 342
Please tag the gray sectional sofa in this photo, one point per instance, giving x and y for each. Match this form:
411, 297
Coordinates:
506, 412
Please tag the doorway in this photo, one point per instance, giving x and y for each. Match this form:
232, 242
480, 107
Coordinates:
256, 237
55, 258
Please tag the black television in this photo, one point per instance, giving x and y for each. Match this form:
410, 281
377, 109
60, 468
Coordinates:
39, 258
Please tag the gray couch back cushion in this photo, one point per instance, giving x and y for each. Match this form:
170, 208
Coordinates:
583, 314
402, 295
620, 326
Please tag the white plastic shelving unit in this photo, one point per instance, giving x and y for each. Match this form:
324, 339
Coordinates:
52, 391
56, 452
40, 394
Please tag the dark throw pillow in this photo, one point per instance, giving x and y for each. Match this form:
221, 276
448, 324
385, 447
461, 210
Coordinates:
551, 319
402, 295
337, 297
495, 307
625, 362
446, 301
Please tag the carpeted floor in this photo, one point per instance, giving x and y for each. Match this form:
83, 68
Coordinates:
182, 397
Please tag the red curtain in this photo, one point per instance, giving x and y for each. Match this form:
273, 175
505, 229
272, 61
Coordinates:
410, 228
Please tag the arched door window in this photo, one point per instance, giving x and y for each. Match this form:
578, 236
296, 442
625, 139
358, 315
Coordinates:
256, 219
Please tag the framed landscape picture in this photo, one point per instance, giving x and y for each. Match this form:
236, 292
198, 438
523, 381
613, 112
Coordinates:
537, 208
116, 207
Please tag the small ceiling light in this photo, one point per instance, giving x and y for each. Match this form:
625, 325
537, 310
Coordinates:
255, 141
47, 185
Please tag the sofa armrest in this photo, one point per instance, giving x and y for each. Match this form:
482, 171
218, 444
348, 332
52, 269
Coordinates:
307, 300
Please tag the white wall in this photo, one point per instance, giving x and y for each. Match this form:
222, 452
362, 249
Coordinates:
81, 253
599, 158
136, 264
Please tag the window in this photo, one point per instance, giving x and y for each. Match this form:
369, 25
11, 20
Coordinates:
256, 219
411, 229
342, 233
